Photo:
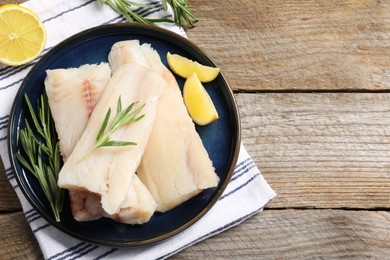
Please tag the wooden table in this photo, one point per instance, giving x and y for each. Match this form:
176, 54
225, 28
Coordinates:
312, 82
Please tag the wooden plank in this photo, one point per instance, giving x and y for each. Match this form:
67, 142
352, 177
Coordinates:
300, 45
292, 234
8, 199
17, 240
305, 45
323, 150
300, 234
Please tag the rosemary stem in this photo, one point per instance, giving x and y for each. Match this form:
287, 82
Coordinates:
122, 117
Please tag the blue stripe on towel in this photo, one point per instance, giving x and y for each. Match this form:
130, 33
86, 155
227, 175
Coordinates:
41, 227
12, 84
4, 118
109, 252
240, 187
28, 212
247, 169
33, 219
19, 69
32, 215
116, 19
224, 196
14, 70
141, 11
9, 173
4, 122
84, 253
76, 251
67, 11
67, 250
248, 163
215, 231
4, 126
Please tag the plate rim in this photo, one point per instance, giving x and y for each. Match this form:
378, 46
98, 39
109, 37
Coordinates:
147, 30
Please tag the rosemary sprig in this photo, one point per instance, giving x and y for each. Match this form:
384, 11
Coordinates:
123, 7
42, 154
183, 15
122, 117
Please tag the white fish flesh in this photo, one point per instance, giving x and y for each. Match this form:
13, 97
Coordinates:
108, 171
137, 208
175, 165
72, 95
82, 87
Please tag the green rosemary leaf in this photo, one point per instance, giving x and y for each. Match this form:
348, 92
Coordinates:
119, 105
118, 119
138, 110
51, 180
33, 116
104, 125
122, 117
118, 143
28, 145
25, 163
164, 4
183, 15
42, 155
120, 114
42, 181
46, 149
57, 160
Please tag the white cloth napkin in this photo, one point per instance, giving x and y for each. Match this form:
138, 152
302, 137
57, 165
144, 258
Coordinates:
246, 194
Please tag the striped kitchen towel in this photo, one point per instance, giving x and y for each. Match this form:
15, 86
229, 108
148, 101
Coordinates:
246, 194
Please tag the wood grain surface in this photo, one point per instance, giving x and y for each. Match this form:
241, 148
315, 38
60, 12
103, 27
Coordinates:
297, 45
8, 199
301, 234
18, 242
312, 81
280, 234
320, 150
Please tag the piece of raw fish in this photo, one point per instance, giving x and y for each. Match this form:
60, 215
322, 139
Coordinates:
108, 171
175, 165
72, 95
137, 208
78, 86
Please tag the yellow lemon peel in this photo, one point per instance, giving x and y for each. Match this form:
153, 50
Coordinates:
22, 35
185, 67
198, 102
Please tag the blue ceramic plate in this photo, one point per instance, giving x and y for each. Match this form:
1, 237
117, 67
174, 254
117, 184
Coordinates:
221, 138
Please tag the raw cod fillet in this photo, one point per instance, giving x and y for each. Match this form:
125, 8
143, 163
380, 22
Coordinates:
137, 208
175, 165
108, 171
73, 94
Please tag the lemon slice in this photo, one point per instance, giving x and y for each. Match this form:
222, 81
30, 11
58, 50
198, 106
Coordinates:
198, 102
22, 35
185, 67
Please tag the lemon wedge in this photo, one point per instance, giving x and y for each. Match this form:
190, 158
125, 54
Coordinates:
22, 35
198, 102
185, 67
